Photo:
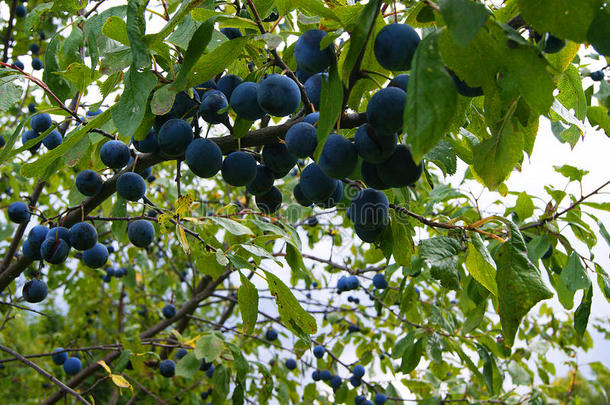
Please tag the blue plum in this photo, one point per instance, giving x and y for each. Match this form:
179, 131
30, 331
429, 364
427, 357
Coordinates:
228, 83
41, 122
37, 64
148, 144
169, 311
339, 157
400, 170
395, 46
278, 95
52, 140
297, 192
313, 88
262, 183
277, 158
369, 209
373, 146
385, 109
83, 236
315, 184
34, 291
301, 139
203, 157
18, 212
309, 56
401, 81
59, 358
28, 136
96, 256
72, 365
238, 168
244, 101
231, 33
89, 182
270, 201
115, 154
335, 198
131, 186
379, 281
371, 177
167, 368
213, 107
174, 136
141, 232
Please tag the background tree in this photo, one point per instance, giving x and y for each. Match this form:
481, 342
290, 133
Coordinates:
192, 189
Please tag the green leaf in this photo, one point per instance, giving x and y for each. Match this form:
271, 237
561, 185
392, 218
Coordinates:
598, 34
60, 86
295, 260
524, 206
598, 116
571, 172
566, 19
412, 356
210, 64
443, 155
520, 284
188, 365
209, 347
299, 321
226, 20
603, 280
196, 46
119, 228
241, 127
426, 121
233, 227
442, 254
491, 373
315, 7
331, 101
495, 158
574, 275
581, 315
80, 75
358, 37
207, 263
10, 93
463, 18
247, 299
38, 168
220, 381
402, 246
115, 28
136, 28
132, 104
480, 264
163, 100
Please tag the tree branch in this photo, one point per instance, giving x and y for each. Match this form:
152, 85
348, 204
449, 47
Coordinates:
64, 388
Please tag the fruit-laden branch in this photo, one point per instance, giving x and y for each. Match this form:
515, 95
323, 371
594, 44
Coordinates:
280, 62
183, 312
371, 269
258, 137
64, 387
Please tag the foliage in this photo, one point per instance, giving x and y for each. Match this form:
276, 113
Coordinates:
475, 301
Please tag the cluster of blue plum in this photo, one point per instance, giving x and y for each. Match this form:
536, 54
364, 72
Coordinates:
71, 365
39, 124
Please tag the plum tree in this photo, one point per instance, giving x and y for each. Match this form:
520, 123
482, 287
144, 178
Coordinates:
317, 233
278, 95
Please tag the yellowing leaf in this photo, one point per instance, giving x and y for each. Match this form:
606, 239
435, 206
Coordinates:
182, 238
104, 366
183, 204
120, 381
